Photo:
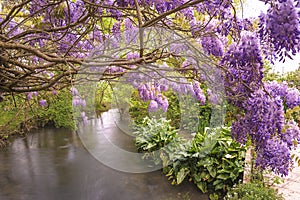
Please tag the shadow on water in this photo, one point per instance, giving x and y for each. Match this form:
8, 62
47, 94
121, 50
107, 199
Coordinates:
52, 164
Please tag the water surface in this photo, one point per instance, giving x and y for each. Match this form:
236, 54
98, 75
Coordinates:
53, 164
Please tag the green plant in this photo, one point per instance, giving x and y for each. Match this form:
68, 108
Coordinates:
154, 137
103, 96
215, 161
154, 134
252, 191
59, 111
212, 160
138, 109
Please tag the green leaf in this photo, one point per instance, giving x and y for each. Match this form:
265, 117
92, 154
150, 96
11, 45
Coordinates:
223, 176
170, 172
181, 175
216, 182
212, 171
219, 186
202, 186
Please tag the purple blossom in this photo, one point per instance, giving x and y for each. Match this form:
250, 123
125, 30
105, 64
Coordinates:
292, 133
240, 130
212, 45
244, 66
199, 93
78, 101
43, 102
29, 96
280, 29
213, 97
54, 92
153, 106
264, 122
74, 91
274, 155
276, 89
292, 97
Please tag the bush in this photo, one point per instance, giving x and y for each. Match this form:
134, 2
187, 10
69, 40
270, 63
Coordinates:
212, 160
252, 191
59, 111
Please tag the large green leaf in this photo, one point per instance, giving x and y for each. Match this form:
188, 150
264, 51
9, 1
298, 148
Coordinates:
212, 171
223, 176
183, 172
202, 186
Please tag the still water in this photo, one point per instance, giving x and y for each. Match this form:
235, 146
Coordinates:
53, 164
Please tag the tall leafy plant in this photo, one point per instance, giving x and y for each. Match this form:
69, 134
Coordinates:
212, 160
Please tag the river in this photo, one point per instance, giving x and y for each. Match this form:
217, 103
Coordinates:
54, 164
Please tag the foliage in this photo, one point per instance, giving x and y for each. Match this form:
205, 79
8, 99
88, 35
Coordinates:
44, 45
21, 114
59, 111
15, 118
103, 96
212, 160
223, 163
252, 191
138, 108
197, 117
154, 134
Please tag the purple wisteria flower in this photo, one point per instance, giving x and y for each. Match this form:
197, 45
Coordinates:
280, 29
276, 156
244, 66
153, 106
54, 92
199, 93
292, 133
212, 45
74, 91
43, 103
78, 101
292, 97
29, 96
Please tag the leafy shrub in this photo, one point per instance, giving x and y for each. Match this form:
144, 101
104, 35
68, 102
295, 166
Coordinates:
212, 160
252, 191
215, 161
138, 109
103, 97
154, 134
59, 111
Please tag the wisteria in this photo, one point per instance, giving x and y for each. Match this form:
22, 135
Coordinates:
276, 156
43, 102
153, 92
212, 45
244, 65
45, 45
291, 135
290, 96
78, 101
280, 29
264, 123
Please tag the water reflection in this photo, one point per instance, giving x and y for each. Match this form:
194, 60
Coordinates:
52, 164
